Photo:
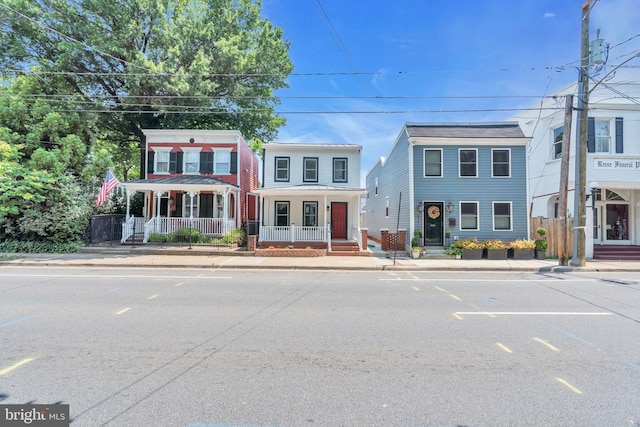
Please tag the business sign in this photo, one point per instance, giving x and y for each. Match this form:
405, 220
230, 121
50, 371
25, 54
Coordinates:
617, 164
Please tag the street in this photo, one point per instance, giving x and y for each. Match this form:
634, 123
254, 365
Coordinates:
206, 347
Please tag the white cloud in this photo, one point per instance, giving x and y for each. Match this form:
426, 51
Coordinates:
549, 15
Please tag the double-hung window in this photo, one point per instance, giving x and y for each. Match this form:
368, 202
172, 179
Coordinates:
191, 161
161, 160
340, 169
282, 214
310, 213
310, 173
222, 162
469, 216
501, 216
500, 163
432, 163
558, 136
603, 136
468, 162
281, 169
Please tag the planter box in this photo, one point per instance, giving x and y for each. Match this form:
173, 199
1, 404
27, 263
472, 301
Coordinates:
496, 254
472, 254
541, 254
521, 254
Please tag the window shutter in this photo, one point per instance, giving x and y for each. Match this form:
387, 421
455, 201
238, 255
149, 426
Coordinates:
206, 162
179, 157
619, 147
172, 162
591, 135
233, 167
150, 162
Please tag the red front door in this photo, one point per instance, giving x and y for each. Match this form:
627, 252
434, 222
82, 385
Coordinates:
338, 220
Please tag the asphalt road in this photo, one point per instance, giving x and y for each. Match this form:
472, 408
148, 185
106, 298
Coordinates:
197, 348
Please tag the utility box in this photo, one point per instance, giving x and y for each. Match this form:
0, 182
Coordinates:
597, 52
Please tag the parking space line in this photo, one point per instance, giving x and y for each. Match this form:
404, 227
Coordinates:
569, 386
541, 341
124, 310
17, 365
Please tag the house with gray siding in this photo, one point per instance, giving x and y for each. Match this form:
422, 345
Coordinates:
467, 179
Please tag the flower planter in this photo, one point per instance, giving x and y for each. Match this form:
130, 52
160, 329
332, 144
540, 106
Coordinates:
541, 254
471, 253
521, 254
495, 254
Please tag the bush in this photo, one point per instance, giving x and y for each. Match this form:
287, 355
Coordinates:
494, 244
541, 244
522, 244
468, 243
35, 247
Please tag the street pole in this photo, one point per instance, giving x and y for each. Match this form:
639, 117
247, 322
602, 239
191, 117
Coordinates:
580, 180
563, 255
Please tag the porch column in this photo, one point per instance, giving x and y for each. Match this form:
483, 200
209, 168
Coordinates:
261, 215
324, 215
225, 211
159, 195
128, 202
191, 194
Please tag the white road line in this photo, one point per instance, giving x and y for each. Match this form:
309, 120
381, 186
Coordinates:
117, 276
534, 313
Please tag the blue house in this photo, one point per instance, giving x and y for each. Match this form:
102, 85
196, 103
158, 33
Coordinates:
454, 180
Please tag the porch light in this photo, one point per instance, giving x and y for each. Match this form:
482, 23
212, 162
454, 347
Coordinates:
449, 208
420, 207
328, 208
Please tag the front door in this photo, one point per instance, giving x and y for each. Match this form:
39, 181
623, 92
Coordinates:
616, 223
338, 220
433, 223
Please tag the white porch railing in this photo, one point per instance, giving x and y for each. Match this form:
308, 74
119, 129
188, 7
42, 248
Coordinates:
209, 226
130, 226
293, 233
356, 235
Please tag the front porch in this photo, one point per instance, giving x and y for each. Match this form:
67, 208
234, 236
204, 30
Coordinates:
213, 227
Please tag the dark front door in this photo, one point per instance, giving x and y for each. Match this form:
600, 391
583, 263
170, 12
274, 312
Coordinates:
433, 223
338, 220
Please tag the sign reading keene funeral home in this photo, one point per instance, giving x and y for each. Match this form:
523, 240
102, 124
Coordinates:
617, 164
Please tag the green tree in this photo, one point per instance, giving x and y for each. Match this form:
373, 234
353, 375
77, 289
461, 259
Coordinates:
154, 63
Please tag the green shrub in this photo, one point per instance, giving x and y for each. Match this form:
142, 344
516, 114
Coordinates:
468, 243
34, 247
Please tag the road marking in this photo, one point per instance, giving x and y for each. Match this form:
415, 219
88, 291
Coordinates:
153, 297
541, 341
440, 289
504, 347
17, 365
569, 386
179, 284
130, 276
457, 316
12, 322
575, 337
124, 310
535, 313
455, 297
631, 365
415, 288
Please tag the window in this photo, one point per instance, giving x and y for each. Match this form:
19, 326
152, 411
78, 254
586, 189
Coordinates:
386, 207
468, 163
187, 205
191, 160
603, 136
502, 215
282, 214
558, 135
282, 169
221, 162
161, 160
500, 163
310, 214
376, 193
468, 215
432, 163
340, 169
310, 173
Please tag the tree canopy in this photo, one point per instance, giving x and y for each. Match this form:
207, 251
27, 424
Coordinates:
139, 64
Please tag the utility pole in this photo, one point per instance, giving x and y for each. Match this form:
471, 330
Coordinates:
563, 255
580, 179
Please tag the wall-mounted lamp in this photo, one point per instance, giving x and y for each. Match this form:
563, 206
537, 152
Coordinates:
420, 207
449, 208
328, 208
594, 189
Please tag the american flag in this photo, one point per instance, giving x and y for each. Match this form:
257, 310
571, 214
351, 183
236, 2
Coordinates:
110, 182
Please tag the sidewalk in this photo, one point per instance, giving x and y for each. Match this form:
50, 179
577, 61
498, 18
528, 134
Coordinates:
142, 257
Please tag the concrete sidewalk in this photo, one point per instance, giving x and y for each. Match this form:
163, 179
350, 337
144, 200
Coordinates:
143, 257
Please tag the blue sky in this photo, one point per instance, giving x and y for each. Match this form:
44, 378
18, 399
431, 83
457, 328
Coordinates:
426, 60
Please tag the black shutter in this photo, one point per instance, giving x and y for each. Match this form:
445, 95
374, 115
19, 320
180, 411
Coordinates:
150, 162
172, 162
178, 204
233, 168
619, 147
179, 157
206, 162
591, 135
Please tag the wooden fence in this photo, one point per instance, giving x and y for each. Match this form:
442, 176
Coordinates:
553, 227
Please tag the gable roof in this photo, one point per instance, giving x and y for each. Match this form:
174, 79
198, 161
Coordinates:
464, 130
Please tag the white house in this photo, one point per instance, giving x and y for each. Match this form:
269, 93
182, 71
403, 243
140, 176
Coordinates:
613, 162
311, 195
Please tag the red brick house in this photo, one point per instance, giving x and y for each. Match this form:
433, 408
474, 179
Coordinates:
199, 178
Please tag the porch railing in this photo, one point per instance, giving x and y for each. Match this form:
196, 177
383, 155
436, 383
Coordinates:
208, 226
356, 235
293, 233
131, 226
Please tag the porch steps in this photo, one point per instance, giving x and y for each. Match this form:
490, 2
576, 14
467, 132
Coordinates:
616, 252
139, 237
435, 252
344, 248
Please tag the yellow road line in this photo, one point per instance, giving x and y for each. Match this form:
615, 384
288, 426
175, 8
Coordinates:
455, 297
504, 347
17, 365
456, 316
153, 297
569, 386
440, 289
124, 310
180, 284
541, 341
415, 288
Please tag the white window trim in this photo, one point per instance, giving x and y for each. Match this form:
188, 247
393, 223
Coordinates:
493, 215
612, 135
492, 164
186, 150
553, 143
157, 150
460, 163
275, 171
424, 157
304, 169
215, 162
477, 215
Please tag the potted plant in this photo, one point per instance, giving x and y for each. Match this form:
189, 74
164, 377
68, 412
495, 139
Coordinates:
496, 249
415, 244
522, 249
454, 252
470, 248
541, 244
